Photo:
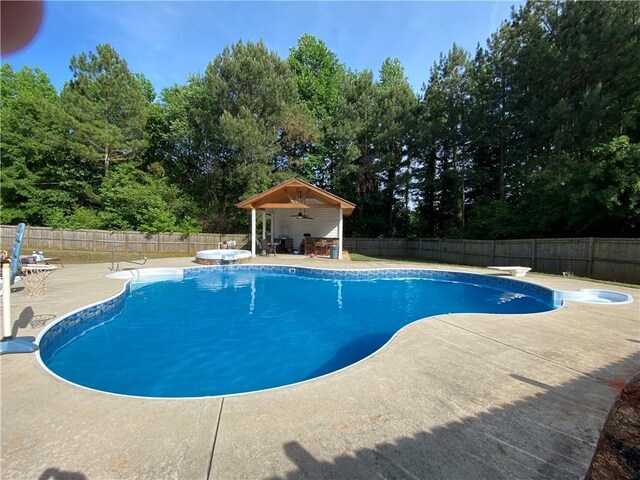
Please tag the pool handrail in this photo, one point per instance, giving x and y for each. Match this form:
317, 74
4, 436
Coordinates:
115, 264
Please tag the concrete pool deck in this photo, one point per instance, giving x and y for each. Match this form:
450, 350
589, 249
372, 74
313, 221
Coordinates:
451, 397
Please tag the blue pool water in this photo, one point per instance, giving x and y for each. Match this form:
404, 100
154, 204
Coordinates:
232, 330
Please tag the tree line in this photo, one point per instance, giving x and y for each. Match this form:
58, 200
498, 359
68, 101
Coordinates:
535, 134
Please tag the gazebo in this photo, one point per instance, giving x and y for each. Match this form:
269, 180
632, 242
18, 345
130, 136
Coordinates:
298, 210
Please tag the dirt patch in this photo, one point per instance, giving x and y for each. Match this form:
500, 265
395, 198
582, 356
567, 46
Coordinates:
617, 454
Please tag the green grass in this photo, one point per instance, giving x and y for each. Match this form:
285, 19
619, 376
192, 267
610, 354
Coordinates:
81, 257
356, 257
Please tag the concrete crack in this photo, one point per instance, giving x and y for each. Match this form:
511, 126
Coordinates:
215, 438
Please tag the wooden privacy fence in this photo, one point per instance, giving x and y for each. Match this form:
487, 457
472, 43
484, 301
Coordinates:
614, 259
42, 238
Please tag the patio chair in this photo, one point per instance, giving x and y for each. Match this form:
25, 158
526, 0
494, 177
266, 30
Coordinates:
321, 248
309, 245
259, 248
267, 248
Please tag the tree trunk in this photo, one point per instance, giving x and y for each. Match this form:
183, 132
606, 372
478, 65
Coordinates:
106, 162
502, 122
502, 163
462, 205
391, 182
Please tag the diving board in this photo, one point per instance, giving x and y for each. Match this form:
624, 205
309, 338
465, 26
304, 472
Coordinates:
513, 271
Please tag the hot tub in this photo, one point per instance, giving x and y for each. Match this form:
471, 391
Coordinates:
222, 256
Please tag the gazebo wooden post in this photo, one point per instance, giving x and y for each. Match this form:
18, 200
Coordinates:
340, 234
273, 212
253, 232
264, 224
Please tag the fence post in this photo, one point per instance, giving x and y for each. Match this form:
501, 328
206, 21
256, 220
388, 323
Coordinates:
406, 247
126, 241
464, 246
493, 252
533, 254
94, 241
440, 250
158, 243
188, 242
61, 239
380, 247
590, 257
420, 248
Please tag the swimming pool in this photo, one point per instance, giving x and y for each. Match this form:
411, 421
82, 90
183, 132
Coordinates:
209, 331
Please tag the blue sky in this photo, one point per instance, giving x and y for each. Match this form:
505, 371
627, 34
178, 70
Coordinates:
167, 41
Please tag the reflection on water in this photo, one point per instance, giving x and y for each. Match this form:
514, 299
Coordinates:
216, 283
339, 284
252, 304
507, 297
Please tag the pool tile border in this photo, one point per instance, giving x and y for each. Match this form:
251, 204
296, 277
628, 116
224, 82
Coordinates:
75, 323
335, 274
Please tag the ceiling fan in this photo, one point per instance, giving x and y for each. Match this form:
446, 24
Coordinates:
302, 213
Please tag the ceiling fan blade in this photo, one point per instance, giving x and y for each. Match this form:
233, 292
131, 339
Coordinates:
301, 215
